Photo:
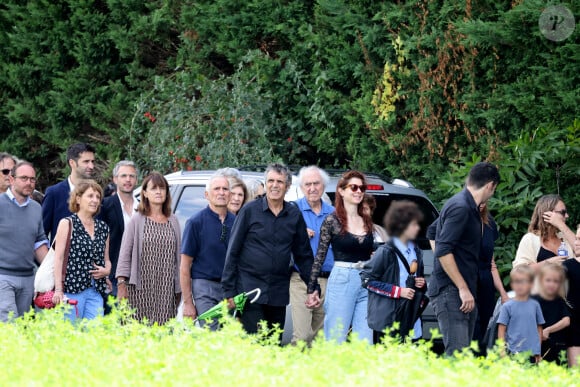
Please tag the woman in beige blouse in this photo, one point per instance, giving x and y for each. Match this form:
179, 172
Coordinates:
545, 234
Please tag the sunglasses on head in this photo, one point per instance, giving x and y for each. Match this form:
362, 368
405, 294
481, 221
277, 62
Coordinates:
6, 172
356, 187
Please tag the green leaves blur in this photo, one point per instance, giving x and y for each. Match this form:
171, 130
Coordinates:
45, 349
470, 77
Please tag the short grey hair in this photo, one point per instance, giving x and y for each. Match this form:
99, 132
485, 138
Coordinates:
229, 172
4, 156
313, 168
216, 175
281, 169
253, 185
124, 163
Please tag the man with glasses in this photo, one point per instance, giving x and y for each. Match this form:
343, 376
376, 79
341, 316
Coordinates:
81, 160
267, 234
117, 211
203, 250
7, 162
21, 242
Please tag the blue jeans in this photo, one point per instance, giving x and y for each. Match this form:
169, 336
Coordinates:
90, 305
346, 306
455, 326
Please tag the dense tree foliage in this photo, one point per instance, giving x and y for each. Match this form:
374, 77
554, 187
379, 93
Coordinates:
414, 89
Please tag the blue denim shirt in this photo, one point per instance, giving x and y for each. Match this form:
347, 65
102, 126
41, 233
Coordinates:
314, 222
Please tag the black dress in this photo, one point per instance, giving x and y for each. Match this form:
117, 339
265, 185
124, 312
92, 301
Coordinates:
554, 311
485, 288
573, 268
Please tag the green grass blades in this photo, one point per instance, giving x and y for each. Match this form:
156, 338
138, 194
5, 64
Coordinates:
46, 350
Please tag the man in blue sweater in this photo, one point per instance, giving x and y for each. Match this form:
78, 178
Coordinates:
22, 238
81, 160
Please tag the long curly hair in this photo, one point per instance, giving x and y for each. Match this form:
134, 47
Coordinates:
537, 224
339, 202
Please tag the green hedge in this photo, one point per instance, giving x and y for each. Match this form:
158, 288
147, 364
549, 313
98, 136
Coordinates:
49, 351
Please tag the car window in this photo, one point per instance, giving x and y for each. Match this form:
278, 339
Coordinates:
384, 202
189, 202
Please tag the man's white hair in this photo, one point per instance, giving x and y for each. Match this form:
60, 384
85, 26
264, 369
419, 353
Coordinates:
229, 172
219, 174
313, 168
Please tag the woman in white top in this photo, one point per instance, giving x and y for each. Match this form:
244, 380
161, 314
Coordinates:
546, 233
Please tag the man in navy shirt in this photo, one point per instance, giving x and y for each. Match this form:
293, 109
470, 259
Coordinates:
306, 321
203, 251
267, 233
457, 243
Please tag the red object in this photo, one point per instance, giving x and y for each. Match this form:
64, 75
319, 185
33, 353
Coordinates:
150, 117
44, 300
198, 158
374, 187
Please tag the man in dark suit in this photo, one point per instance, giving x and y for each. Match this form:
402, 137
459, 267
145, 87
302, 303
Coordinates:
81, 160
117, 211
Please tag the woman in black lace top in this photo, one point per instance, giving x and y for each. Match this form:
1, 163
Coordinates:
350, 232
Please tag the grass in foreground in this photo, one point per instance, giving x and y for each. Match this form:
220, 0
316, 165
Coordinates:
46, 350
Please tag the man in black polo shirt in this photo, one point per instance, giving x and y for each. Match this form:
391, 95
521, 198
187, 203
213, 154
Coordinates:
266, 233
457, 243
203, 251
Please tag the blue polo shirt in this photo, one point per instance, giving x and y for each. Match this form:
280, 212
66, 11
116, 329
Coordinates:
206, 240
314, 222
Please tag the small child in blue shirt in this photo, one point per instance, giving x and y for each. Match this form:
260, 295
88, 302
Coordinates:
520, 319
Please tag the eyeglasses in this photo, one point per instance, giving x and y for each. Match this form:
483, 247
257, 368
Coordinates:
224, 233
6, 172
563, 212
356, 188
26, 179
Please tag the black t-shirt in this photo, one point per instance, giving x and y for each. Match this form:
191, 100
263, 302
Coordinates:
573, 268
554, 311
544, 254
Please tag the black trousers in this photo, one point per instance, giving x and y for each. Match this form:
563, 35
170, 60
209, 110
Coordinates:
378, 337
486, 301
253, 314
